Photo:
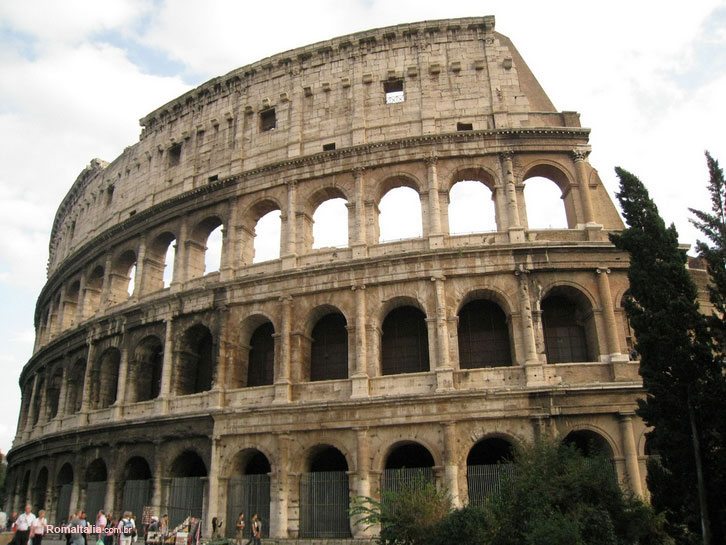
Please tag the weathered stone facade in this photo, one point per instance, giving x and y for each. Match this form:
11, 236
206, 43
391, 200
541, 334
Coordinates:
206, 377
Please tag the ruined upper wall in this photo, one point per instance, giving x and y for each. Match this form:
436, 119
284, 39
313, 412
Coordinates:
329, 93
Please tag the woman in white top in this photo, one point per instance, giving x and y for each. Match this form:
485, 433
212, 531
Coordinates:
37, 530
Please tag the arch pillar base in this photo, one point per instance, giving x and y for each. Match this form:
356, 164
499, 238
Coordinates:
444, 379
540, 374
622, 368
289, 261
595, 232
359, 386
516, 234
283, 392
436, 241
360, 251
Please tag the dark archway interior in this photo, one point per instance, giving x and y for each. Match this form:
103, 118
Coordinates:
565, 339
197, 362
136, 469
409, 455
260, 368
589, 443
483, 336
96, 471
490, 451
65, 475
328, 459
188, 464
329, 351
258, 464
405, 342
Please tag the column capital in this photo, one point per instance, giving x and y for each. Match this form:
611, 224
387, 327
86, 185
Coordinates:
506, 155
438, 277
580, 154
358, 287
432, 159
291, 184
285, 298
358, 171
521, 270
602, 270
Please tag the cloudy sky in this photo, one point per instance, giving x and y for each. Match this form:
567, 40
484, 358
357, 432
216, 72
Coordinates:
648, 77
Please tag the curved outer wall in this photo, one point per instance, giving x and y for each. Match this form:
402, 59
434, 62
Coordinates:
164, 375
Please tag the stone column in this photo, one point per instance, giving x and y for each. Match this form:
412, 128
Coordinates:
289, 235
78, 318
108, 502
121, 385
444, 371
62, 311
43, 408
106, 294
360, 243
360, 382
86, 402
631, 454
215, 508
451, 467
167, 365
140, 260
180, 257
229, 253
76, 488
283, 386
516, 231
159, 463
279, 490
534, 369
62, 394
362, 478
606, 300
436, 237
31, 407
579, 156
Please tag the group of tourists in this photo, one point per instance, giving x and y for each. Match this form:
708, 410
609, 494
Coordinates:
28, 527
256, 529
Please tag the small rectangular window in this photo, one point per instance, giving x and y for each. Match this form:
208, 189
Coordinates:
109, 195
464, 127
174, 155
329, 147
394, 91
268, 120
213, 178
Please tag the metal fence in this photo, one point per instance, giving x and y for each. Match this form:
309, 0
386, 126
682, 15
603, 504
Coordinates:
137, 493
408, 478
64, 503
95, 498
324, 500
186, 495
485, 480
248, 494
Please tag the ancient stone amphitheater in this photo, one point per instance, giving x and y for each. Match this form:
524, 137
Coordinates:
287, 386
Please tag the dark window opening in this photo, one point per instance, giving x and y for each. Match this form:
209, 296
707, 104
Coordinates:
329, 352
329, 147
394, 91
109, 195
196, 368
174, 155
258, 465
565, 339
268, 121
405, 342
589, 443
262, 356
408, 456
490, 451
329, 459
132, 213
483, 336
213, 178
464, 127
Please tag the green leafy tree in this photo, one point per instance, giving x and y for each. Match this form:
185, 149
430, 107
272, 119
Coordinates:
405, 517
677, 361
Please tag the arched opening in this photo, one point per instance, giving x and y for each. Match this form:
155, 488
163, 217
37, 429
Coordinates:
186, 489
268, 231
213, 255
70, 304
159, 262
489, 461
75, 387
25, 490
40, 493
104, 379
123, 276
196, 361
629, 333
471, 208
53, 393
201, 257
589, 443
409, 465
545, 201
330, 224
400, 215
64, 484
248, 492
92, 292
96, 476
567, 325
37, 405
324, 495
261, 362
405, 342
136, 486
169, 260
145, 370
483, 335
329, 349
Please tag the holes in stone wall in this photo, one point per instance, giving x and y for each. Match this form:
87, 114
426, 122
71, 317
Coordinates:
268, 120
394, 91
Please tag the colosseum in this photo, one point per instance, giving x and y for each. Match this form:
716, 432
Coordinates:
284, 385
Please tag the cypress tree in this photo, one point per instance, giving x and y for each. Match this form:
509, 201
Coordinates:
677, 362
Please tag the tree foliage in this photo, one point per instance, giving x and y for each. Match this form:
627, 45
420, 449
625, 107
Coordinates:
677, 360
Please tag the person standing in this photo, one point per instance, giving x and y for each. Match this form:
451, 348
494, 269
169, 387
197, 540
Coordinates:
37, 530
128, 529
23, 524
256, 529
240, 528
101, 522
108, 534
75, 528
3, 520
